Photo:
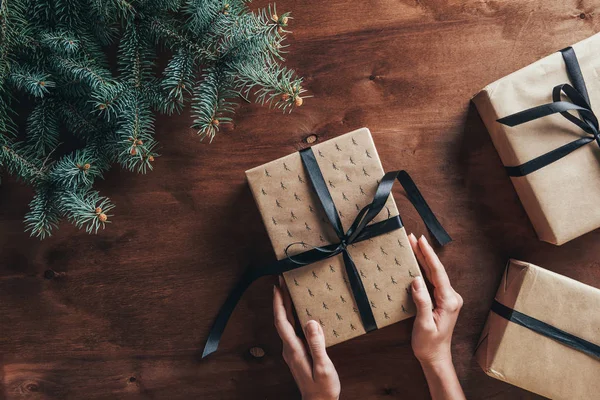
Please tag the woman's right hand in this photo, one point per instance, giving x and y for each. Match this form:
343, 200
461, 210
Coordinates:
433, 327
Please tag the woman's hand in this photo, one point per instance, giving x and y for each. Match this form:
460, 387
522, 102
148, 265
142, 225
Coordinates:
309, 363
433, 327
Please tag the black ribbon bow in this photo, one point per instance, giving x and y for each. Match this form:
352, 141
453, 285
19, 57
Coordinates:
579, 101
358, 231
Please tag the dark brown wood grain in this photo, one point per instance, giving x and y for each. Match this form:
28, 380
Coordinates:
127, 311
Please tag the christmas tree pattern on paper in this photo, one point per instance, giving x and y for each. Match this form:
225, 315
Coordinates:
385, 264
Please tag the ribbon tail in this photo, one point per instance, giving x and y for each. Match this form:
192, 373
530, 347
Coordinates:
548, 158
418, 201
574, 71
218, 327
360, 295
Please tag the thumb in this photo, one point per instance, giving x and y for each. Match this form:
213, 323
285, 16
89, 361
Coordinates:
316, 343
422, 300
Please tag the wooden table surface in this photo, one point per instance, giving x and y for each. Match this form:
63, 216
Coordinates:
129, 309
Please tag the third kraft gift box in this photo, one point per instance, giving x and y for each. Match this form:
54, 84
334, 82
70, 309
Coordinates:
541, 120
339, 241
543, 334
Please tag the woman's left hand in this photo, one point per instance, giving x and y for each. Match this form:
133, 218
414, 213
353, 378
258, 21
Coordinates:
309, 363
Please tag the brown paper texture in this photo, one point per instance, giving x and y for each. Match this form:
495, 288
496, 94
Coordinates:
561, 199
291, 213
521, 357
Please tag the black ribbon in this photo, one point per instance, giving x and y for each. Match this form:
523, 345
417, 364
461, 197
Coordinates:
546, 330
579, 101
358, 231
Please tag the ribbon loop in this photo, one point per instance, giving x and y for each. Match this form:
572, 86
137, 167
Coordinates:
359, 230
578, 100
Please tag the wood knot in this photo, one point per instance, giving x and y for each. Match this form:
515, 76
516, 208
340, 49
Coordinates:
310, 139
49, 274
32, 387
257, 352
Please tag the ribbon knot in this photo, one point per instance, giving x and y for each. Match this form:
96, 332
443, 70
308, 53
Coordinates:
579, 102
360, 230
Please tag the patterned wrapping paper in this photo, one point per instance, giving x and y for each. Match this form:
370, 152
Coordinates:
292, 213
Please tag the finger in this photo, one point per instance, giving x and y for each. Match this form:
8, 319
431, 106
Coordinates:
282, 324
316, 344
423, 302
287, 301
438, 276
419, 254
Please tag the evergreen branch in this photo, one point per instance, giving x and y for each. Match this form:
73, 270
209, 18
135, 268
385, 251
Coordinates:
273, 84
212, 103
165, 31
136, 127
35, 83
21, 164
85, 209
43, 216
135, 61
178, 81
42, 129
82, 70
75, 170
61, 42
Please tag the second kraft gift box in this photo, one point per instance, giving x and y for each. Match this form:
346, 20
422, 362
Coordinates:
338, 238
543, 334
542, 122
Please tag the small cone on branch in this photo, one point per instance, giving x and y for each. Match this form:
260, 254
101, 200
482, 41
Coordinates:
298, 101
139, 142
150, 158
133, 151
102, 217
215, 122
284, 20
285, 97
86, 166
275, 17
98, 210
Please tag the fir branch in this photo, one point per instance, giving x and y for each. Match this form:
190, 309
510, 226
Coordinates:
272, 84
136, 127
212, 102
86, 209
35, 83
22, 165
178, 81
42, 129
74, 171
61, 42
43, 216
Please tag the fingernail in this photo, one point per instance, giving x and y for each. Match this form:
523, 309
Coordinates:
312, 328
412, 236
417, 283
274, 288
424, 239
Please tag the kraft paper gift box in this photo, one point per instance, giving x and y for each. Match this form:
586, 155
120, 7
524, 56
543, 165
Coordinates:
561, 198
533, 361
291, 213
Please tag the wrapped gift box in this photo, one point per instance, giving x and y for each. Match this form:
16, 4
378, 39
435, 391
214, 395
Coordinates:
533, 361
292, 213
561, 199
